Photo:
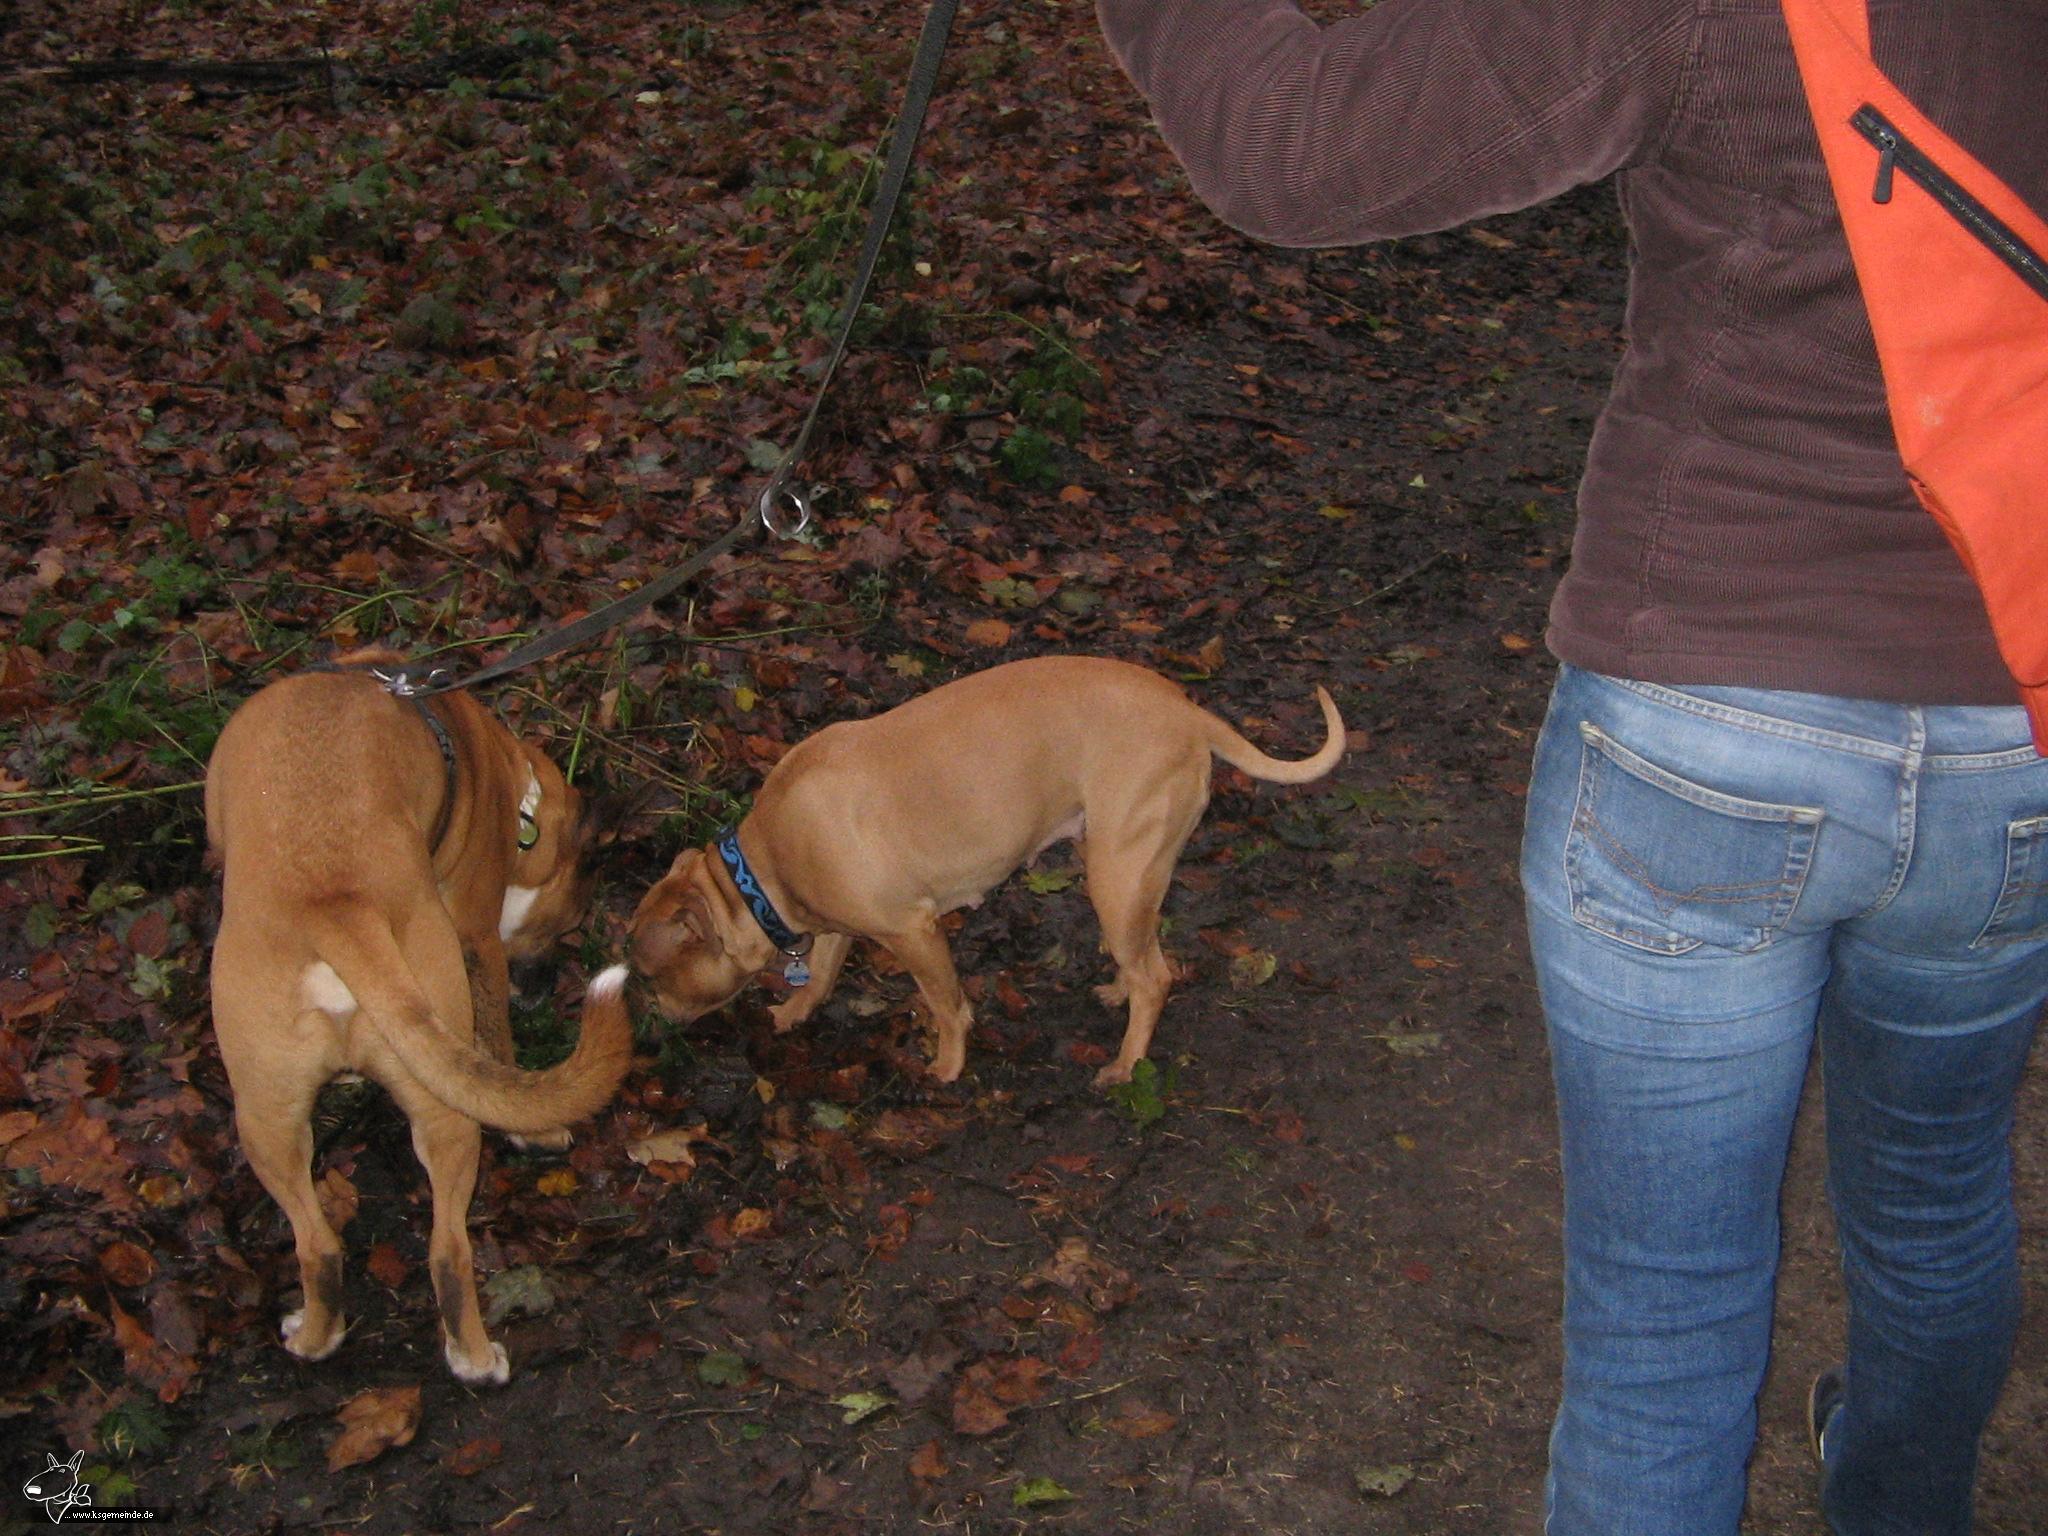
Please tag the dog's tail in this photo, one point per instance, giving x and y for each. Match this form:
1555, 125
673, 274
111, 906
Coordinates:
1239, 753
506, 1097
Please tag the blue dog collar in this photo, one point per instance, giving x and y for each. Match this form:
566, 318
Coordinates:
793, 944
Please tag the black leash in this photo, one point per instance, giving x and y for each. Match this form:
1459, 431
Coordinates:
767, 510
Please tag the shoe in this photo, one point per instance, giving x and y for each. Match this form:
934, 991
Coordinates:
1823, 1402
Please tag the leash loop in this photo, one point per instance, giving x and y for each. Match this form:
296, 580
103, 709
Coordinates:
783, 510
770, 507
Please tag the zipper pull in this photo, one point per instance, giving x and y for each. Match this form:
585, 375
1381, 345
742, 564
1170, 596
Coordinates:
1887, 156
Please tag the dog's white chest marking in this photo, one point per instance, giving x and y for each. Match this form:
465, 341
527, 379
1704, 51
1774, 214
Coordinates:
321, 988
519, 901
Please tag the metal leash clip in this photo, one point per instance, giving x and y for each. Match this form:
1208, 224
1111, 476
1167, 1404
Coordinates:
403, 683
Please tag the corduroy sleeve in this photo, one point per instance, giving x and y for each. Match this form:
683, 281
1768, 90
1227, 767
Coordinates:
1414, 115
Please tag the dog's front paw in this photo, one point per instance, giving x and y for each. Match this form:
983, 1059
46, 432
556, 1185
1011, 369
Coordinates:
786, 1015
494, 1371
292, 1331
1116, 1073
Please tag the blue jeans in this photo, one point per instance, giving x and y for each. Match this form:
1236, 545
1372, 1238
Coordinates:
1712, 874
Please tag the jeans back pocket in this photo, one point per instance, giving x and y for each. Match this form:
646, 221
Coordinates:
2021, 914
1661, 863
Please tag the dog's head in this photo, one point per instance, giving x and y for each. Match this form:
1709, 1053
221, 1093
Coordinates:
560, 835
682, 940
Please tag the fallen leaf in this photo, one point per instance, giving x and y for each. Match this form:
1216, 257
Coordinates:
557, 1181
126, 1264
523, 1291
148, 1360
1254, 968
338, 1198
975, 1412
479, 1455
861, 1405
639, 1346
1137, 1422
992, 633
774, 1353
1385, 1481
721, 1368
1034, 1491
928, 1465
75, 1151
387, 1266
372, 1423
1078, 1268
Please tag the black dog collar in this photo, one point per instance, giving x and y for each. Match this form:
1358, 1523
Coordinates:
785, 938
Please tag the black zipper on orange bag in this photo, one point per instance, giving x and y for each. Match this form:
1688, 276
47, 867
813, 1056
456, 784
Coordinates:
1897, 152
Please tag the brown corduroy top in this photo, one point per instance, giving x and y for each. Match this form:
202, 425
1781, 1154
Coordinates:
1744, 518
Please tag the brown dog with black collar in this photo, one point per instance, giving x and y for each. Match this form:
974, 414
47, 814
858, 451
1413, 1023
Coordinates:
878, 828
369, 840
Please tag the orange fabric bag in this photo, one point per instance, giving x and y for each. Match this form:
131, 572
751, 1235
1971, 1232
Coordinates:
1954, 271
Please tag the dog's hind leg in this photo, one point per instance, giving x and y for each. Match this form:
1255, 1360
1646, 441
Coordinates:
448, 1144
1128, 876
274, 1119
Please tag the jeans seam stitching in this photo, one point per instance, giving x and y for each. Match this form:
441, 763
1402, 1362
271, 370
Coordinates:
1761, 724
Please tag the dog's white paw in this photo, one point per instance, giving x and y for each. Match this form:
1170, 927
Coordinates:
547, 1141
495, 1373
294, 1322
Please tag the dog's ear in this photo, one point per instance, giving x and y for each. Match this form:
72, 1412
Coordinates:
673, 916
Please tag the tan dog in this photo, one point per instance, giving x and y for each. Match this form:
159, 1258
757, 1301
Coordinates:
878, 828
368, 841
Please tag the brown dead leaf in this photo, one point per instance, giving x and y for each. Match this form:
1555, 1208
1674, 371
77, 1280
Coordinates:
775, 1355
76, 1151
338, 1198
912, 1132
1078, 1268
126, 1264
150, 934
1137, 1422
358, 565
638, 1347
479, 1455
975, 1412
154, 1364
992, 633
928, 1465
670, 1149
989, 1389
1081, 1354
372, 1423
387, 1266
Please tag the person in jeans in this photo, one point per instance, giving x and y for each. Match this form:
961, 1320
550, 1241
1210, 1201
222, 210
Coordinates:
1783, 787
